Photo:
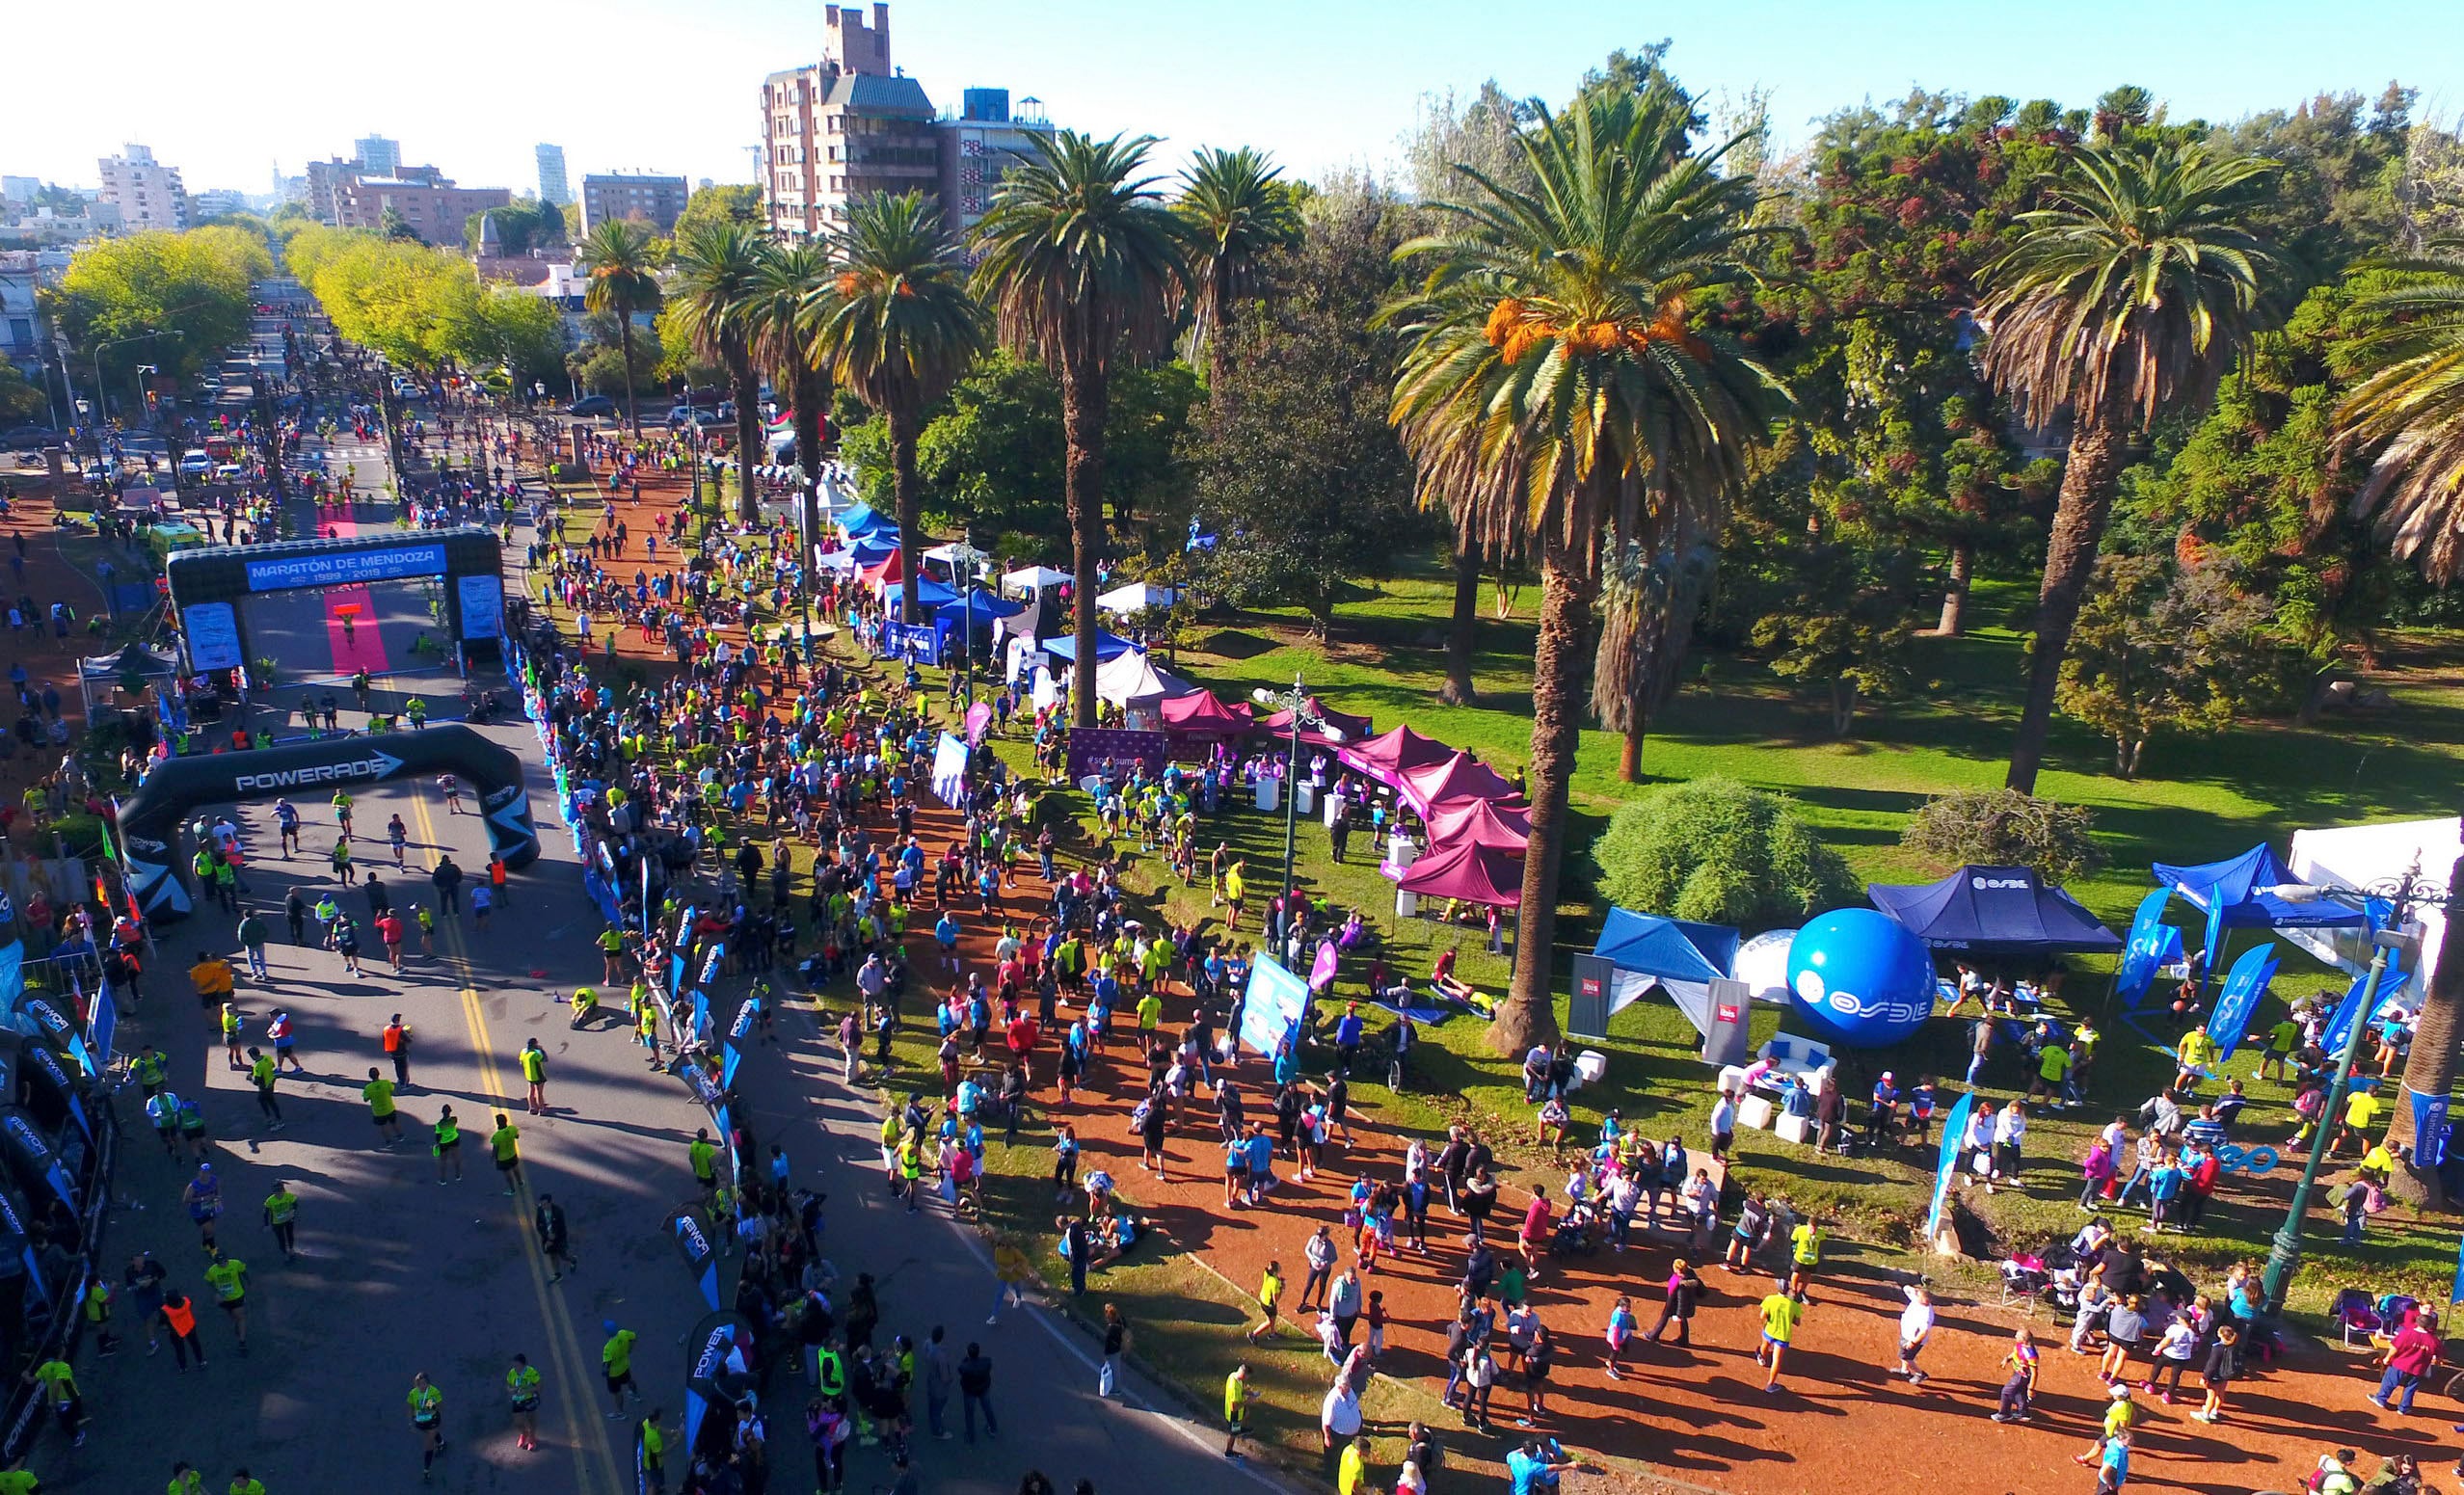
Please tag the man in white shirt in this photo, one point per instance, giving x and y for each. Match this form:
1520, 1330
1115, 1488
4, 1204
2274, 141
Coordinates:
1915, 1327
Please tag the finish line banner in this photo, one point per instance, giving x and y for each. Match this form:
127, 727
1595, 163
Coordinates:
341, 568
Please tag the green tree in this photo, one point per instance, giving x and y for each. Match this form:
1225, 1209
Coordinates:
789, 278
171, 299
712, 293
1238, 211
2004, 828
616, 256
2406, 408
897, 328
1555, 387
2122, 301
1716, 851
2160, 649
1085, 267
21, 400
1293, 460
391, 224
732, 203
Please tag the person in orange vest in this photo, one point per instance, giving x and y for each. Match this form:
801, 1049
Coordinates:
179, 1317
497, 878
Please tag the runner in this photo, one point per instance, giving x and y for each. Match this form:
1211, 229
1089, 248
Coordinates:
281, 1216
446, 1144
616, 1363
379, 1093
534, 1073
261, 1074
554, 1242
504, 1143
230, 1280
1781, 1312
521, 1387
427, 1420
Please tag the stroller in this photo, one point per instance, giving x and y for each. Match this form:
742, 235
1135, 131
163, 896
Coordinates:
1574, 1234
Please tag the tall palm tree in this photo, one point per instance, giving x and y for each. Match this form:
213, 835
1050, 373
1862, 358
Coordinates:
623, 279
2408, 409
2127, 297
789, 276
897, 326
713, 295
1554, 390
1085, 268
1239, 209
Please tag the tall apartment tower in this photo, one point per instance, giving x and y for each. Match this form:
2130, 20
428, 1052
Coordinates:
148, 194
844, 128
379, 156
552, 183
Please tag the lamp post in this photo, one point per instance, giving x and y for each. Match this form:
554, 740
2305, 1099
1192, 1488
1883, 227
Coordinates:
1296, 702
964, 559
2283, 1254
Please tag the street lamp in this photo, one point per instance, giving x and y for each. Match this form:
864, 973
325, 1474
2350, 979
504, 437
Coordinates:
2283, 1254
1304, 713
964, 559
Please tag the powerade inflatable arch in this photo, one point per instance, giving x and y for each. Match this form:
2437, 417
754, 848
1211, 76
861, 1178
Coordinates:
209, 584
151, 819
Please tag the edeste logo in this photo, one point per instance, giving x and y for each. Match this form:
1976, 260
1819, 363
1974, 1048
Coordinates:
1997, 882
375, 766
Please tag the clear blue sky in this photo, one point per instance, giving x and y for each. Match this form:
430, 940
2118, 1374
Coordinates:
223, 90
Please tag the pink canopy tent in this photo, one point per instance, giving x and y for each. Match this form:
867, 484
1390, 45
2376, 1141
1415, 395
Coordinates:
1199, 714
1388, 757
1460, 777
1352, 728
1470, 872
1490, 822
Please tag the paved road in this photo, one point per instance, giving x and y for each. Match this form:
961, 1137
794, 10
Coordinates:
399, 1274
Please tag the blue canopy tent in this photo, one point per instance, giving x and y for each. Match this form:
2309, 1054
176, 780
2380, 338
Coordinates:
1680, 954
861, 521
952, 616
2234, 894
1065, 646
1993, 911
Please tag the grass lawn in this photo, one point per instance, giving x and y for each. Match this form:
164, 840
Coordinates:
2204, 799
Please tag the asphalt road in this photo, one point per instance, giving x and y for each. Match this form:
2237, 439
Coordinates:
400, 1274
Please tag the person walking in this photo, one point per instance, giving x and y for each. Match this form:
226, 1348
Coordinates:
427, 1420
397, 1049
1319, 1254
1781, 1313
261, 1074
228, 1278
1235, 1409
616, 1364
1270, 1295
282, 1217
56, 1384
252, 938
975, 1391
178, 1314
521, 1389
445, 1144
505, 1144
534, 1074
2021, 1388
554, 1242
1915, 1327
1684, 1289
1115, 1340
379, 1094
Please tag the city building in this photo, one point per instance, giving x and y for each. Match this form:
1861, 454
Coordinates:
20, 323
979, 146
147, 193
46, 227
215, 202
432, 205
323, 181
19, 189
553, 185
654, 200
845, 128
378, 156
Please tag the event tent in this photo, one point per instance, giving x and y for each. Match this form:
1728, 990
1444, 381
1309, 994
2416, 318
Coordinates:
862, 520
1138, 597
1460, 777
1470, 872
1130, 678
1350, 727
1033, 578
984, 604
1677, 954
2352, 858
1488, 821
1202, 715
1993, 911
2234, 894
1388, 755
1108, 646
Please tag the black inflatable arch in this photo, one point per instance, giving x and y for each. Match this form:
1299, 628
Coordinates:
151, 819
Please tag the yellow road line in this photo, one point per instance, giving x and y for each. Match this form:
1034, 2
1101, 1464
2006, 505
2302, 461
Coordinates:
563, 1343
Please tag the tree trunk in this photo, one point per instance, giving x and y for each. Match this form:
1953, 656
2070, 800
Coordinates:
1963, 565
2069, 560
1843, 706
750, 447
1461, 635
812, 396
903, 488
1085, 400
1629, 758
624, 347
2429, 1069
1560, 662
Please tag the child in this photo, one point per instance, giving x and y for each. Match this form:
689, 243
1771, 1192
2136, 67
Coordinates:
1754, 1219
2224, 1361
1620, 1328
2123, 1331
2021, 1388
1376, 1316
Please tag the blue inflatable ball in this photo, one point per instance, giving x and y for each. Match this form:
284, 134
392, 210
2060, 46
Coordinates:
1861, 979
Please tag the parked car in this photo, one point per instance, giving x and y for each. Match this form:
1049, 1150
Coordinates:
31, 436
196, 464
592, 405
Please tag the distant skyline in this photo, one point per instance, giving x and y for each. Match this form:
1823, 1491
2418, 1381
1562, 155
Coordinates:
226, 92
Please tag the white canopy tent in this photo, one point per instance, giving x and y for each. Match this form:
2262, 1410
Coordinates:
1130, 681
1137, 598
2355, 857
1031, 578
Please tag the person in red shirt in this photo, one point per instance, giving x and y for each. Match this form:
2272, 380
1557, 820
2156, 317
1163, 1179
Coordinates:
389, 928
2410, 1355
1533, 1238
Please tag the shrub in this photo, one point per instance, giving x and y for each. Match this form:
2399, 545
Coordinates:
1716, 851
2005, 828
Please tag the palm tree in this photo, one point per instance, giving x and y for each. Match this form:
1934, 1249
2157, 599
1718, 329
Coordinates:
1554, 390
1239, 209
897, 326
718, 270
2408, 409
789, 276
1085, 267
616, 254
2126, 298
